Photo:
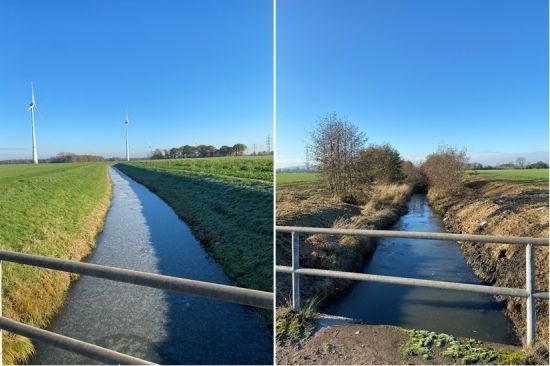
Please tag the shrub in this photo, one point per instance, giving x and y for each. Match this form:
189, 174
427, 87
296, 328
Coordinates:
445, 169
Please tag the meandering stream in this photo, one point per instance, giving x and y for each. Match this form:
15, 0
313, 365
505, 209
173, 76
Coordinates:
458, 313
143, 233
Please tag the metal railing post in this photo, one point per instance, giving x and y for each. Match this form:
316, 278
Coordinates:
295, 276
529, 286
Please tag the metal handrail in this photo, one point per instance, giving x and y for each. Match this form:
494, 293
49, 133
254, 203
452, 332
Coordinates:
416, 235
233, 294
528, 293
70, 344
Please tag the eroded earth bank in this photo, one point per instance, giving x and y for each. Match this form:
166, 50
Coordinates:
510, 209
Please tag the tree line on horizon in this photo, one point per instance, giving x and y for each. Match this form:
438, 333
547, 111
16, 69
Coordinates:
202, 151
519, 164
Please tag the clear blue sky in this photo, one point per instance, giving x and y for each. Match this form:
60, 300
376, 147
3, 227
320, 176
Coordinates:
188, 72
415, 74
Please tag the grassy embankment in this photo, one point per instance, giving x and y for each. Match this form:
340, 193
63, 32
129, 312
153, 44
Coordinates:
511, 203
52, 210
303, 200
227, 203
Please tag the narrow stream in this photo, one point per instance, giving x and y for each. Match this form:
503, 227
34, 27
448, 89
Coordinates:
458, 313
143, 233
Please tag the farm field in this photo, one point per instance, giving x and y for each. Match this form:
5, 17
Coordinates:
297, 178
248, 167
228, 204
53, 210
516, 175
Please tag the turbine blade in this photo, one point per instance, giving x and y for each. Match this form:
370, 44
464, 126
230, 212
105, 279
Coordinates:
39, 114
32, 94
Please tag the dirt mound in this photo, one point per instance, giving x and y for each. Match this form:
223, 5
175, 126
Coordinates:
353, 344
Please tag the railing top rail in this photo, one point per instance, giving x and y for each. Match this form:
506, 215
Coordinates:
209, 290
70, 344
416, 235
407, 281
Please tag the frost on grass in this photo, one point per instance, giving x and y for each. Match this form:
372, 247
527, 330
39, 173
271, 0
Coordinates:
426, 344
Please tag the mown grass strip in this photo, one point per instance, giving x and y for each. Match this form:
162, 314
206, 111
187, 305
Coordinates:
53, 210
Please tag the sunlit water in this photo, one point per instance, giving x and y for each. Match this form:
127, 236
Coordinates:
143, 233
458, 313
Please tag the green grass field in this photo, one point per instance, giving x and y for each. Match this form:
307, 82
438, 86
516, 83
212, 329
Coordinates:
517, 175
231, 213
297, 178
248, 167
53, 210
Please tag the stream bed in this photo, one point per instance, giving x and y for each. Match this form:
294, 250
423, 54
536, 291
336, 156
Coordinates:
458, 313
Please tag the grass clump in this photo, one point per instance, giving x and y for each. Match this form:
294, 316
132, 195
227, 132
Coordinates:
292, 327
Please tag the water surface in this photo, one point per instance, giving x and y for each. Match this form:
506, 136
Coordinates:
143, 233
458, 313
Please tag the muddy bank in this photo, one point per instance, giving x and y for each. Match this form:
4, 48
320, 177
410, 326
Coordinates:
312, 205
502, 208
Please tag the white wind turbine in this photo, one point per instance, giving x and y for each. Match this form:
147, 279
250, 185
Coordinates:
31, 108
127, 147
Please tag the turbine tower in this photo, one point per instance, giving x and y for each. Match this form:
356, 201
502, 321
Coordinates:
31, 108
127, 147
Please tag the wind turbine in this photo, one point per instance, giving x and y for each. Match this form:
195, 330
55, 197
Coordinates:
31, 108
127, 147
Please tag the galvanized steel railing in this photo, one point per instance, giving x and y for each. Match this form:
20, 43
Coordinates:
529, 292
209, 290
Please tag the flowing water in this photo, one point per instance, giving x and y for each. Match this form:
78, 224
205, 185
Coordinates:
143, 233
458, 313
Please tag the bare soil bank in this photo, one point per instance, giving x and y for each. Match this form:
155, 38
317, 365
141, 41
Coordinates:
502, 208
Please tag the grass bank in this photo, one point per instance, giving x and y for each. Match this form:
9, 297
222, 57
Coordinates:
231, 216
502, 207
54, 210
311, 204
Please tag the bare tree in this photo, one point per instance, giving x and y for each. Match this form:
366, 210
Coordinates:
520, 162
445, 169
336, 147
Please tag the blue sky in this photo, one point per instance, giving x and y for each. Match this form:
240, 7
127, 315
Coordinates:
187, 72
416, 74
